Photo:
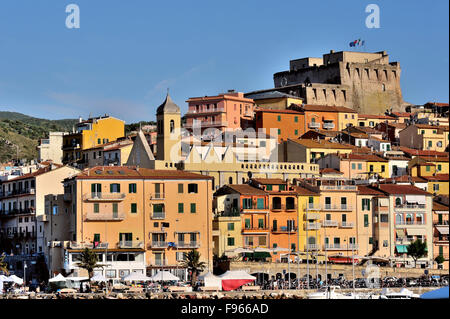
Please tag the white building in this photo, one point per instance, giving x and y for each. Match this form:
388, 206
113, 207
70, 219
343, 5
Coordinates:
51, 148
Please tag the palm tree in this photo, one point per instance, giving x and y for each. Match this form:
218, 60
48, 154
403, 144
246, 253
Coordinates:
193, 264
3, 264
417, 249
89, 262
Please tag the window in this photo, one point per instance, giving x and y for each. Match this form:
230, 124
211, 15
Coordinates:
180, 188
353, 165
296, 119
247, 223
279, 132
260, 223
430, 143
96, 208
366, 220
96, 238
365, 204
360, 166
110, 273
384, 218
180, 207
230, 241
193, 208
385, 243
260, 203
115, 207
230, 226
428, 168
279, 118
114, 188
439, 167
181, 256
296, 132
327, 202
268, 187
99, 141
435, 187
382, 168
423, 132
132, 188
371, 168
398, 201
247, 203
192, 188
344, 202
96, 189
133, 207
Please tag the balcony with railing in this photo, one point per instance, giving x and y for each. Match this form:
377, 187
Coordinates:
18, 192
104, 216
158, 244
408, 206
157, 196
284, 229
328, 125
403, 241
128, 244
160, 262
16, 212
205, 111
409, 222
309, 208
329, 207
205, 124
83, 245
347, 225
312, 247
255, 229
330, 223
283, 207
104, 197
312, 216
158, 215
312, 226
192, 244
314, 125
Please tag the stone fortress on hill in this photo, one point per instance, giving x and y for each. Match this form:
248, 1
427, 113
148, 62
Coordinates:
365, 82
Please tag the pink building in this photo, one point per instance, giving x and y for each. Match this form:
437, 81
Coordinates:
225, 112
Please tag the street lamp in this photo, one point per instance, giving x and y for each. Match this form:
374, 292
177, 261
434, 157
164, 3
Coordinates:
25, 273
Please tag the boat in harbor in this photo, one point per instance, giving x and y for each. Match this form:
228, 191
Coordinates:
386, 293
331, 292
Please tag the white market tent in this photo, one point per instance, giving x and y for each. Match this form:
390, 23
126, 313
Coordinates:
236, 274
211, 280
136, 277
16, 279
164, 276
57, 278
98, 277
3, 278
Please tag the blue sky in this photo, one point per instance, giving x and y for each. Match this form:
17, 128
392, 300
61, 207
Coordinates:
126, 53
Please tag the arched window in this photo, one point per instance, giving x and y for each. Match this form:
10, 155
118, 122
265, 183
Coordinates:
398, 201
398, 219
172, 126
408, 219
311, 240
419, 218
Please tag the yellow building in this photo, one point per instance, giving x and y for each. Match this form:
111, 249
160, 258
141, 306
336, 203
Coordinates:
425, 137
274, 100
304, 150
91, 133
369, 120
377, 165
226, 234
139, 220
309, 221
441, 165
346, 117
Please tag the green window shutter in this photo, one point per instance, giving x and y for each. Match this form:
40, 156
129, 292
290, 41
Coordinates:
366, 220
93, 188
96, 238
353, 166
296, 119
111, 188
133, 207
115, 207
132, 188
180, 188
96, 208
359, 166
279, 132
428, 168
296, 132
311, 200
193, 207
260, 203
440, 167
180, 207
230, 241
370, 240
260, 223
269, 187
279, 118
247, 223
99, 141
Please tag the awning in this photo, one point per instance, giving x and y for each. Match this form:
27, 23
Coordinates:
416, 231
419, 199
258, 255
442, 229
401, 249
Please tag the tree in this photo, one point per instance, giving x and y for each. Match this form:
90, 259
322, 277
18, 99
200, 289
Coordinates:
89, 262
417, 249
193, 264
3, 265
439, 259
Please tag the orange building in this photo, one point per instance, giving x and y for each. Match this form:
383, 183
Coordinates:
440, 233
286, 123
283, 214
139, 219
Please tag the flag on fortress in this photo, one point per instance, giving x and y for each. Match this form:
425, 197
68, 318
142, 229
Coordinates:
357, 43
